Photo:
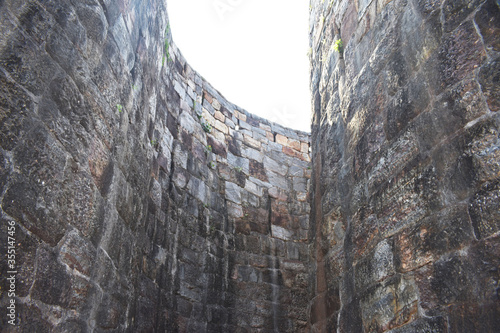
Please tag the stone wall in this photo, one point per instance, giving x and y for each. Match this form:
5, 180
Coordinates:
406, 170
142, 199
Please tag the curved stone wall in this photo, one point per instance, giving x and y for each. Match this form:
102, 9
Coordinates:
136, 198
141, 199
406, 165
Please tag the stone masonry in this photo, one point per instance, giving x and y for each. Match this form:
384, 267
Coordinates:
406, 165
143, 201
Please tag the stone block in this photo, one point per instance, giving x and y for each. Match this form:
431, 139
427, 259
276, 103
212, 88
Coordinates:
198, 189
233, 192
231, 125
28, 65
219, 116
221, 127
484, 210
216, 104
265, 127
270, 136
218, 147
207, 96
253, 188
241, 116
379, 309
281, 233
54, 286
483, 140
455, 12
278, 180
251, 142
488, 78
413, 201
488, 21
252, 154
299, 184
279, 194
295, 144
282, 140
238, 162
234, 210
280, 215
257, 170
77, 253
461, 52
277, 166
376, 267
434, 236
180, 177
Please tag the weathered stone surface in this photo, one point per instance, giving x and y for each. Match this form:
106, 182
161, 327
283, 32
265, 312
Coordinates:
487, 18
404, 175
130, 215
484, 210
489, 77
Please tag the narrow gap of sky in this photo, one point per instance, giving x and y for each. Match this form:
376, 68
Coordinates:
254, 52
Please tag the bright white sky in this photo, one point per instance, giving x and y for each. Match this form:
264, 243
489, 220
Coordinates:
254, 52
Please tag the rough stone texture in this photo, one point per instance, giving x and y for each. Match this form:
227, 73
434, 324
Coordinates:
144, 201
130, 216
405, 178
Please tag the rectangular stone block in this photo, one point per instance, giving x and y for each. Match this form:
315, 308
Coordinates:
252, 154
253, 188
281, 233
282, 140
275, 166
251, 142
233, 192
277, 180
426, 242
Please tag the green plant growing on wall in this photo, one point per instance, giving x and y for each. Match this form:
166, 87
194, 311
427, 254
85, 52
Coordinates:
206, 127
238, 169
208, 149
338, 46
212, 165
119, 107
153, 142
167, 46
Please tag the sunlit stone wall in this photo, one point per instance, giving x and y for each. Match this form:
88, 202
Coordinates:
406, 165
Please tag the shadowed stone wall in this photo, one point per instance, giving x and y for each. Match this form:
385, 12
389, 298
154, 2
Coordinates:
143, 201
406, 152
